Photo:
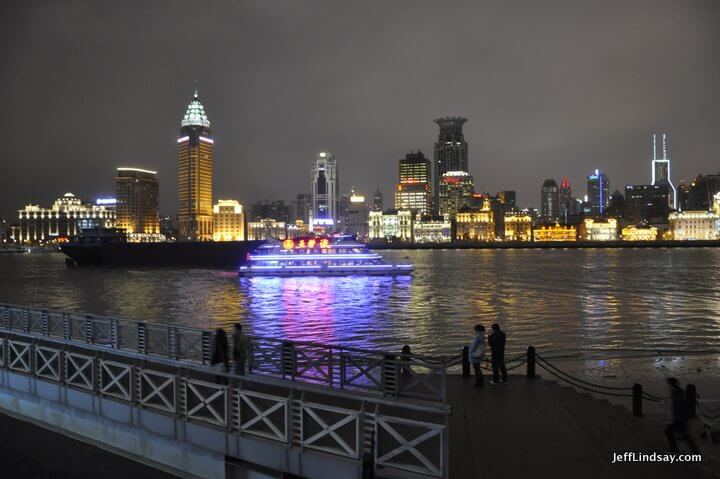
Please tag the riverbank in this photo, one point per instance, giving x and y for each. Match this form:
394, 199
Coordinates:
547, 244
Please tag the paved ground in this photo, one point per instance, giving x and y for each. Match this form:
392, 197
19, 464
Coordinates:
29, 451
536, 428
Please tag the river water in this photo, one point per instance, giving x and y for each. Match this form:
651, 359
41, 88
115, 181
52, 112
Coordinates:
620, 313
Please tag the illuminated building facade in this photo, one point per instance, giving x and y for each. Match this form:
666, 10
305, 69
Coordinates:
639, 233
390, 225
661, 171
456, 192
324, 187
596, 230
432, 229
549, 201
518, 227
556, 232
476, 225
67, 217
451, 150
266, 228
413, 192
195, 145
694, 225
138, 204
228, 221
598, 191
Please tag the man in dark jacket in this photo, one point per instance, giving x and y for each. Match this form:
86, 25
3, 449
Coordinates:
496, 340
680, 417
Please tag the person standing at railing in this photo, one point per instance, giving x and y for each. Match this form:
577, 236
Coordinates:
219, 358
241, 346
679, 425
497, 339
477, 353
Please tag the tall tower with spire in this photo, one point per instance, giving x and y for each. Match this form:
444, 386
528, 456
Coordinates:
661, 169
195, 213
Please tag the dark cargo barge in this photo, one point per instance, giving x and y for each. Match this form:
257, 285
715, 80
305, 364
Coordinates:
111, 248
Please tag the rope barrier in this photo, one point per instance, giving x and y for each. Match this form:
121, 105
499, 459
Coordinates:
582, 386
612, 388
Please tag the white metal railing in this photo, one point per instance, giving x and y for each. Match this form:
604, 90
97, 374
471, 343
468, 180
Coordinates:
376, 372
348, 425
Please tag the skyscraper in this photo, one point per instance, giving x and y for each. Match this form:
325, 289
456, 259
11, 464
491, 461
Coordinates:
138, 203
451, 151
377, 204
661, 170
456, 192
324, 187
549, 201
413, 192
565, 200
507, 198
195, 209
598, 188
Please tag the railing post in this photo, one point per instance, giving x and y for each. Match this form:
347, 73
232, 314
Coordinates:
26, 323
691, 398
6, 317
287, 359
466, 362
66, 326
88, 330
206, 346
637, 399
114, 334
389, 375
172, 342
45, 325
343, 375
531, 361
141, 346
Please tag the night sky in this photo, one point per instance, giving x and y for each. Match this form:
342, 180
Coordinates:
550, 88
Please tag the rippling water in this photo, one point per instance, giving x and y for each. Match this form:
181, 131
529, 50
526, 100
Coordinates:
561, 301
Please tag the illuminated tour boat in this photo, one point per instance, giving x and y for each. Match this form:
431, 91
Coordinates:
318, 257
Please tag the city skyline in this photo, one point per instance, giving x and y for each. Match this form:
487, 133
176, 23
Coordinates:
367, 129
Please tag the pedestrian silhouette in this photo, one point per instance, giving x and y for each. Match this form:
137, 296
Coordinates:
678, 428
497, 348
477, 353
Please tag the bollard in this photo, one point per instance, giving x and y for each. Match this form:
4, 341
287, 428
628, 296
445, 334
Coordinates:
691, 398
637, 400
531, 361
465, 362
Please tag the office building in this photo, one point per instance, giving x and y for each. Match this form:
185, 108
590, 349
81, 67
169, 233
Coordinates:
138, 204
456, 192
646, 203
694, 225
549, 201
390, 225
451, 151
567, 208
195, 172
228, 221
67, 217
275, 209
598, 230
518, 226
377, 204
661, 170
598, 187
413, 190
701, 192
432, 229
556, 232
476, 224
639, 233
508, 200
301, 207
267, 228
357, 216
324, 188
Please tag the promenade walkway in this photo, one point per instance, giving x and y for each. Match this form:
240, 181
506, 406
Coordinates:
537, 428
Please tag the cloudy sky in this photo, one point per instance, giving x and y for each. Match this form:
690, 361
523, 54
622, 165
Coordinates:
550, 88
